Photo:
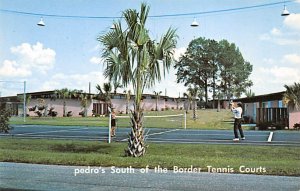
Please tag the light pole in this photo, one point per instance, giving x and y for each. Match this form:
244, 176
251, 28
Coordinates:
24, 103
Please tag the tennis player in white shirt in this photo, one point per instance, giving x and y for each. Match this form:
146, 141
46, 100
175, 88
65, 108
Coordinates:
237, 121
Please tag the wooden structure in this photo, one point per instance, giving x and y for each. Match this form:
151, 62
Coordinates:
272, 115
100, 108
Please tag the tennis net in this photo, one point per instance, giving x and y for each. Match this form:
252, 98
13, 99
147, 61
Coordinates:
158, 121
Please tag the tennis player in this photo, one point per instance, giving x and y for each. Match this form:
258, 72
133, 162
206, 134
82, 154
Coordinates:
237, 112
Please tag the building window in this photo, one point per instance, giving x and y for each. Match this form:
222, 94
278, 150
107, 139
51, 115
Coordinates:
280, 103
269, 104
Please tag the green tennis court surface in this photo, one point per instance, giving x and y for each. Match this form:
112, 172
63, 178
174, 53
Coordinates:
159, 135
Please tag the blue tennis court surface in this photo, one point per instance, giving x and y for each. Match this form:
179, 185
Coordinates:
158, 135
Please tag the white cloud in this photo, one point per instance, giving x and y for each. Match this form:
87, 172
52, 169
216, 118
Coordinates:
290, 36
30, 59
11, 69
284, 74
178, 52
293, 21
268, 61
74, 81
292, 58
279, 38
96, 60
35, 56
96, 48
276, 32
275, 76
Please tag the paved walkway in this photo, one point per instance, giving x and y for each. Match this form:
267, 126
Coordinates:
14, 176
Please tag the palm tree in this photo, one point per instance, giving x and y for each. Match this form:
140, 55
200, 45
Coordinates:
105, 93
84, 100
64, 94
292, 95
27, 100
249, 93
131, 57
116, 85
100, 92
193, 94
157, 98
189, 98
127, 97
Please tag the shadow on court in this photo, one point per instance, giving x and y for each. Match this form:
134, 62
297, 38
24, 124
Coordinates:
157, 135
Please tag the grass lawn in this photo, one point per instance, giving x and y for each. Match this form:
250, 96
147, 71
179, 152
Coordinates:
276, 160
206, 119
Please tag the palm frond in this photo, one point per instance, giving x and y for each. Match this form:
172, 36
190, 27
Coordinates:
292, 95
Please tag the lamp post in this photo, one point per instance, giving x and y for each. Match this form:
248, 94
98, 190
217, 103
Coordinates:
41, 23
194, 23
285, 12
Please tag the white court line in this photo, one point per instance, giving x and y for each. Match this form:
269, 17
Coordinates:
270, 137
227, 143
228, 135
203, 140
217, 140
156, 133
163, 132
66, 136
43, 132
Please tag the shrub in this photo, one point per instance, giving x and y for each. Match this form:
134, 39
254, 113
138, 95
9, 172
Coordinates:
4, 119
297, 126
267, 125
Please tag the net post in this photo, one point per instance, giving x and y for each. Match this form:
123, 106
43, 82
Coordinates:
109, 128
24, 103
184, 120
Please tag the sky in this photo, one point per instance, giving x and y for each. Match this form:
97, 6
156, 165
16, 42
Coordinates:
65, 52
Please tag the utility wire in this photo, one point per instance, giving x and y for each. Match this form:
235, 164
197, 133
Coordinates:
150, 16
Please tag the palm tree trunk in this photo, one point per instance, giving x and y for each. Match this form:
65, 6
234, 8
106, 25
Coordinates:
136, 142
127, 103
64, 109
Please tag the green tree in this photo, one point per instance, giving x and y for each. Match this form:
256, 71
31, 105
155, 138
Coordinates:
64, 94
27, 100
292, 95
249, 93
4, 119
116, 85
157, 98
234, 70
105, 92
85, 99
198, 67
127, 97
189, 99
216, 67
193, 92
131, 57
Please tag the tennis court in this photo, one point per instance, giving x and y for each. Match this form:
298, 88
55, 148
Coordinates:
157, 135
